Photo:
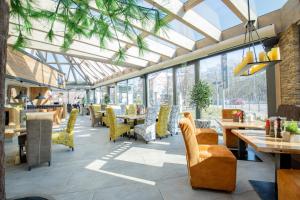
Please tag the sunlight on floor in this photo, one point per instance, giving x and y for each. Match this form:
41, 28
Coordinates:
152, 157
97, 164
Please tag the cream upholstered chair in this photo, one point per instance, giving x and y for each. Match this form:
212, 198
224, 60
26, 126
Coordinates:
147, 130
66, 136
95, 116
173, 120
38, 146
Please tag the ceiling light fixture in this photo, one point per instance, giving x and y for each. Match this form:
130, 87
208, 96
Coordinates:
250, 63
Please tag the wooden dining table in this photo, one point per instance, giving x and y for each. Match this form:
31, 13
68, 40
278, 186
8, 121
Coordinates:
231, 141
261, 142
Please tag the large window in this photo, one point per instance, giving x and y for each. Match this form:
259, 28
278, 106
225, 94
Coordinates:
135, 91
112, 94
160, 88
185, 80
122, 92
248, 93
103, 93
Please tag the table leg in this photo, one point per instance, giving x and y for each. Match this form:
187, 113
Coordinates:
242, 149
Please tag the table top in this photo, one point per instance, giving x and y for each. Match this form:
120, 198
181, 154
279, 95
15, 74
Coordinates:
131, 117
263, 143
101, 111
251, 125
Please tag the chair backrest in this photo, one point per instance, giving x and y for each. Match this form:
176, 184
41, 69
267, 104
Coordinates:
291, 112
229, 113
72, 120
39, 131
163, 119
174, 114
189, 116
190, 140
96, 108
150, 116
131, 109
112, 120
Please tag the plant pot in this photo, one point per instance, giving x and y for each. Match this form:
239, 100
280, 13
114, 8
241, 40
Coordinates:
295, 138
286, 136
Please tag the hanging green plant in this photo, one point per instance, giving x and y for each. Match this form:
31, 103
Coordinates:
104, 19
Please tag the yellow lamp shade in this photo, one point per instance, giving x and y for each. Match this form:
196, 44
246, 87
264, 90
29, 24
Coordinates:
239, 67
262, 56
256, 68
275, 53
249, 57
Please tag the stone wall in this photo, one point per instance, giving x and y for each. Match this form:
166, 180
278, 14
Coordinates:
289, 68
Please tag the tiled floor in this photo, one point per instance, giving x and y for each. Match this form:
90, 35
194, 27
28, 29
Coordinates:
99, 169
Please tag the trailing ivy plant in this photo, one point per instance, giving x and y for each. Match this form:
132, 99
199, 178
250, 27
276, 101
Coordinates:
200, 95
106, 19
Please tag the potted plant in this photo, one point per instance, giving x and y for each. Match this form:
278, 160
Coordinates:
292, 128
106, 99
201, 95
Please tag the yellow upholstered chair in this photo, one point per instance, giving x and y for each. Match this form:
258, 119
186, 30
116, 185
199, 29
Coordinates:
66, 137
115, 129
203, 135
209, 166
131, 109
161, 127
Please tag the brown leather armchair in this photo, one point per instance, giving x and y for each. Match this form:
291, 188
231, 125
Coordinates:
209, 166
203, 135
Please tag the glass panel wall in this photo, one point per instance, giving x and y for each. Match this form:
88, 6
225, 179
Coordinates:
122, 93
210, 72
103, 92
185, 80
135, 91
160, 88
112, 94
248, 93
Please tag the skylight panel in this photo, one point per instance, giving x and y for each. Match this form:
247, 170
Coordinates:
162, 41
264, 7
217, 13
185, 30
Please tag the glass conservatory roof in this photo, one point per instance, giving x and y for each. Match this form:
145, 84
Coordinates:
189, 21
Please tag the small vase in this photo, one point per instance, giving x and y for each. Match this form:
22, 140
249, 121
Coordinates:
286, 136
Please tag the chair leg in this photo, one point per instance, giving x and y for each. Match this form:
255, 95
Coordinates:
72, 148
49, 163
110, 139
29, 168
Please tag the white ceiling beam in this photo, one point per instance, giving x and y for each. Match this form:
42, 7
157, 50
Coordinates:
240, 9
189, 18
191, 4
